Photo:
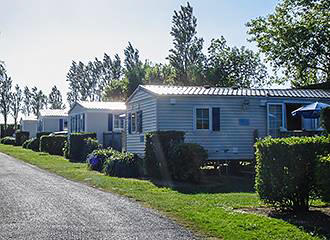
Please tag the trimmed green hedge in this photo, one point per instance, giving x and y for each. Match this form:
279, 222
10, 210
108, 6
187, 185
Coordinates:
126, 165
8, 140
157, 149
323, 177
25, 144
21, 137
285, 170
34, 144
75, 149
325, 119
52, 144
185, 161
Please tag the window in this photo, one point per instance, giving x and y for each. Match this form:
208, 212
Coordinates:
116, 121
133, 122
275, 119
122, 123
65, 124
202, 118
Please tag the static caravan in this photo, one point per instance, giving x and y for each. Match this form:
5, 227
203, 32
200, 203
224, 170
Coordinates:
106, 119
29, 125
53, 120
224, 121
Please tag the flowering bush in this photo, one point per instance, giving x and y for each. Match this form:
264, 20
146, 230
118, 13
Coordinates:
96, 159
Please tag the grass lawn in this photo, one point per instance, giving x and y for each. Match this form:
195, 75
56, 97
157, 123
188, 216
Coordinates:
206, 209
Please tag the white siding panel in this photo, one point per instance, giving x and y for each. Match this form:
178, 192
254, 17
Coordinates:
147, 103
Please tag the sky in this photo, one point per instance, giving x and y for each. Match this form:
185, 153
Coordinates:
40, 38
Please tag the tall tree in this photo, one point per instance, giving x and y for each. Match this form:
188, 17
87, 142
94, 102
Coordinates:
116, 90
16, 103
5, 94
74, 85
135, 71
38, 101
27, 101
159, 74
296, 39
186, 55
227, 67
55, 99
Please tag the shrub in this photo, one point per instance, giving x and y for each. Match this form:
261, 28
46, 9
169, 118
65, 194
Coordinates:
33, 144
185, 161
66, 150
285, 170
40, 134
21, 137
127, 165
52, 144
323, 177
325, 119
158, 145
89, 146
8, 140
25, 144
8, 131
76, 151
96, 159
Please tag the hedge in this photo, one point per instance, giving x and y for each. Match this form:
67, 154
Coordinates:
285, 170
323, 177
52, 144
126, 165
8, 131
33, 144
75, 148
25, 144
325, 119
96, 160
157, 149
8, 140
21, 137
90, 144
185, 161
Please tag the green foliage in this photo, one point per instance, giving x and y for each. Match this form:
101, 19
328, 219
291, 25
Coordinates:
241, 67
7, 131
90, 144
325, 119
186, 57
8, 141
25, 144
21, 137
38, 101
77, 149
323, 177
185, 160
16, 103
294, 38
53, 144
159, 74
96, 159
116, 90
34, 144
157, 150
127, 165
5, 93
55, 99
40, 134
286, 170
135, 70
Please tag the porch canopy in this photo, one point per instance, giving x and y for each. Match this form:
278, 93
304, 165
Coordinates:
312, 110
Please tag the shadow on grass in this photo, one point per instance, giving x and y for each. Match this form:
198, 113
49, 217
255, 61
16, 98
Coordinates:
212, 183
316, 221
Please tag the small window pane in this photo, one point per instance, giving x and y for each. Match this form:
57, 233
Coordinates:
116, 121
133, 122
202, 118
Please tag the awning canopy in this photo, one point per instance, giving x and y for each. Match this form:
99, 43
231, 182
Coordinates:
312, 110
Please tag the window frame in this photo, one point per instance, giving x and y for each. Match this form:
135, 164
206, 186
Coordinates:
195, 118
135, 119
283, 116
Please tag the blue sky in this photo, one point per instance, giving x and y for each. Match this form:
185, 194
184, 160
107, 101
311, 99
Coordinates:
40, 38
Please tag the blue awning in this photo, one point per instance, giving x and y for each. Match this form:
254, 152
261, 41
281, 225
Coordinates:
310, 111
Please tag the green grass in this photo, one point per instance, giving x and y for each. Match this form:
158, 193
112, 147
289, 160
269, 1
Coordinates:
208, 211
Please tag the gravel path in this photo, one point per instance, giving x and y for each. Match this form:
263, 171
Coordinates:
35, 204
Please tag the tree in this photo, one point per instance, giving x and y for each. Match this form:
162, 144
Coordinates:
135, 71
227, 67
74, 86
5, 94
186, 57
38, 101
159, 74
55, 99
296, 39
116, 90
27, 101
16, 103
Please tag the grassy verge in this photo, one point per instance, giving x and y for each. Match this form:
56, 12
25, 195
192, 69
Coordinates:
207, 210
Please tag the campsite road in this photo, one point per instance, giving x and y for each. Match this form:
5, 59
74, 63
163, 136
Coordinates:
35, 204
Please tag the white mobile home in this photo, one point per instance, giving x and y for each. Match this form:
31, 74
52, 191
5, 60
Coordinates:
29, 125
103, 118
53, 120
224, 121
